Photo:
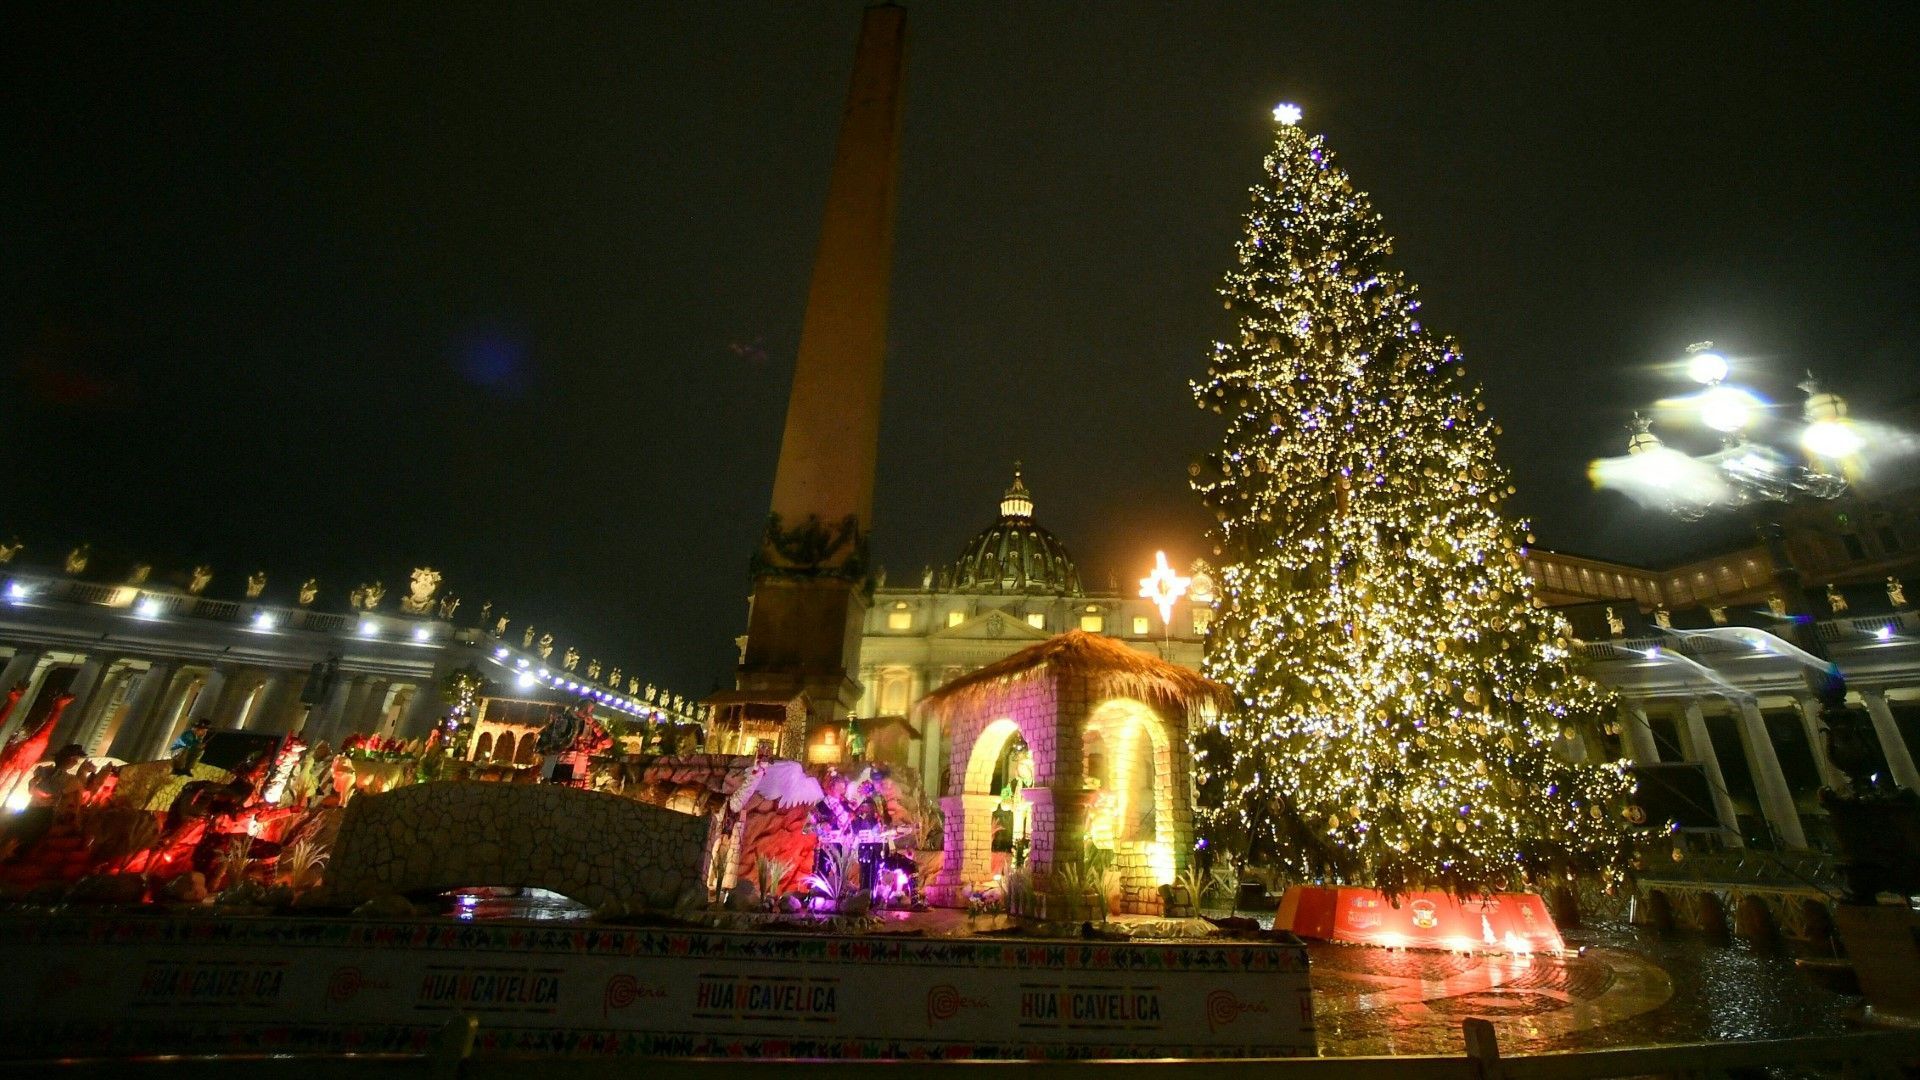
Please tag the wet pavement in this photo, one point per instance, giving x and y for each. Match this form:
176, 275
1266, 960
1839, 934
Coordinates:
1624, 987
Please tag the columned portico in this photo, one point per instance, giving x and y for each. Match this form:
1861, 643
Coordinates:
1769, 780
327, 716
22, 667
1899, 756
422, 711
85, 689
135, 738
363, 710
206, 706
1816, 731
1699, 747
279, 698
1639, 733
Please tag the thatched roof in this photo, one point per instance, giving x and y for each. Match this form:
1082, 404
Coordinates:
1111, 669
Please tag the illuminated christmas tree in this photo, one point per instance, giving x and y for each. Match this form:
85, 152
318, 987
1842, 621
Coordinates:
1401, 700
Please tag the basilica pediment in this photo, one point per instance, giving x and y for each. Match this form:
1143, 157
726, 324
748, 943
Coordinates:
995, 625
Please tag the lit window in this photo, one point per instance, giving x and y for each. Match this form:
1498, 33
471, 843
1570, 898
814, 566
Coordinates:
1037, 620
899, 620
955, 618
1093, 624
1140, 624
1202, 618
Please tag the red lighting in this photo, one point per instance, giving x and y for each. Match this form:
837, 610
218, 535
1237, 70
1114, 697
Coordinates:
1502, 922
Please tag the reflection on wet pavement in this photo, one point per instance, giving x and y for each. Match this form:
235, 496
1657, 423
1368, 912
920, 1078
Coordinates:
1627, 988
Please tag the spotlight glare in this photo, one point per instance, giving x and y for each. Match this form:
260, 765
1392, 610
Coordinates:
1831, 439
1727, 408
1707, 367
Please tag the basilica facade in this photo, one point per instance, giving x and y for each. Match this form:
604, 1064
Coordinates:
1012, 585
1699, 652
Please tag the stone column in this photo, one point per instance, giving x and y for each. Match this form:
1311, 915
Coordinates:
357, 717
869, 693
1059, 827
1776, 800
976, 854
280, 701
953, 847
1817, 742
170, 718
1699, 747
207, 705
109, 699
244, 700
85, 689
329, 714
1899, 757
931, 760
20, 669
422, 711
134, 741
1641, 745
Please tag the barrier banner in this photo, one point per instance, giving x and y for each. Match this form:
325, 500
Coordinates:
125, 984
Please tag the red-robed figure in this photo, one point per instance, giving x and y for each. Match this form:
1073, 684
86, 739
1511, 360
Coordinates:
25, 749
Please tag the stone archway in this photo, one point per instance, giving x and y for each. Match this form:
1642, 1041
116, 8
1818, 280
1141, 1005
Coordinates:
1134, 812
1106, 727
969, 837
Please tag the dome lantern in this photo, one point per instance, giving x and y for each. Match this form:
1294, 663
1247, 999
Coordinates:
1015, 555
1018, 501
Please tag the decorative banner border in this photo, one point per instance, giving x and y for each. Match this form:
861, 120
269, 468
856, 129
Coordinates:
162, 983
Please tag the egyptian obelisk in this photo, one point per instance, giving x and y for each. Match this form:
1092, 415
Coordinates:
810, 572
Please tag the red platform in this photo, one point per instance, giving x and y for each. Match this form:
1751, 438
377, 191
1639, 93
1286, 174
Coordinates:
1502, 922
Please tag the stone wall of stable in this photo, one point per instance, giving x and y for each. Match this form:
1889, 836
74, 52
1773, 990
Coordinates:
1054, 714
592, 847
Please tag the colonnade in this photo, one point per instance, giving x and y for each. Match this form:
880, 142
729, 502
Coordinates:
132, 707
1785, 799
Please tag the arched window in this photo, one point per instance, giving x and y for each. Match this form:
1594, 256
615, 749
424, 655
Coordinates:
483, 748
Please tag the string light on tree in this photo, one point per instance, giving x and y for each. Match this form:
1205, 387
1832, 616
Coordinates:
1401, 700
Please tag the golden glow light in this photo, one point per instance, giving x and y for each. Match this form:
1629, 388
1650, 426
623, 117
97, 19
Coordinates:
1707, 367
1400, 697
1727, 408
1831, 440
1163, 586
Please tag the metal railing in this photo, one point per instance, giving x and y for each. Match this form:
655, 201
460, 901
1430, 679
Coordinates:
1774, 869
1889, 1053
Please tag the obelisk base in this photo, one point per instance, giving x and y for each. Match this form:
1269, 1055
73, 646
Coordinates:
799, 637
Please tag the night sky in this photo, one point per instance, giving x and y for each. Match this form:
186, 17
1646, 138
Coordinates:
339, 290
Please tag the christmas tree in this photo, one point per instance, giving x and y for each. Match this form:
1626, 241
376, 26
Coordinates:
1400, 698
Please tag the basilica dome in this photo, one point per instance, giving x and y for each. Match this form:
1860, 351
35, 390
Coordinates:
1015, 555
